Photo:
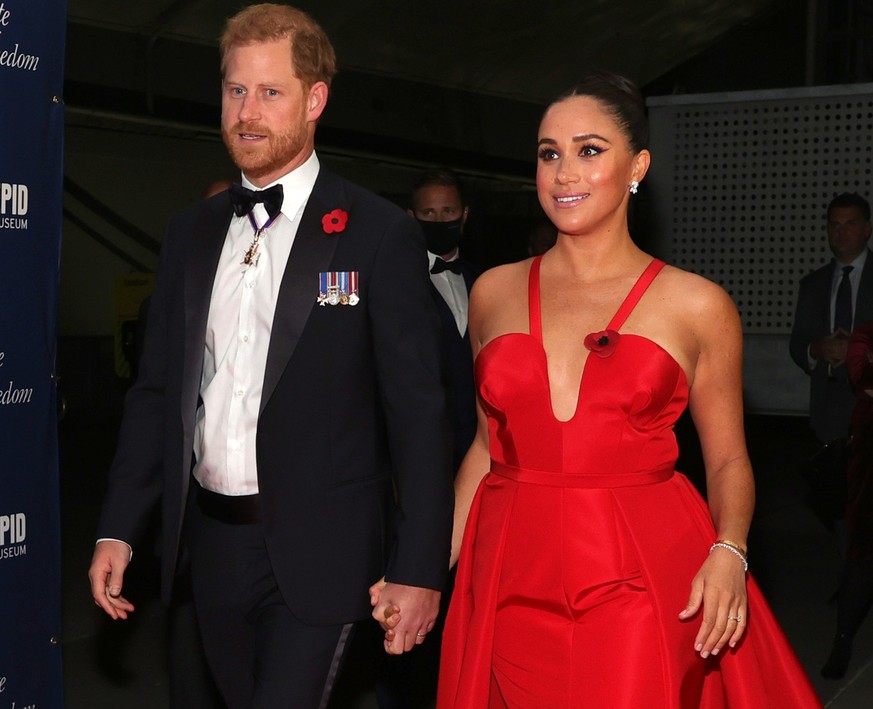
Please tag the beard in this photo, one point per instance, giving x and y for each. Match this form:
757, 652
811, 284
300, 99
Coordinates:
267, 156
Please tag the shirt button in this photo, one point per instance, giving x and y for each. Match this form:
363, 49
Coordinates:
245, 338
239, 392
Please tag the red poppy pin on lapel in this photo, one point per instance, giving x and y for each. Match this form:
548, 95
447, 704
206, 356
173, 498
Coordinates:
334, 222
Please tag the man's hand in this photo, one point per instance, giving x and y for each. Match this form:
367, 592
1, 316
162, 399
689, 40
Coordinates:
832, 349
107, 576
406, 613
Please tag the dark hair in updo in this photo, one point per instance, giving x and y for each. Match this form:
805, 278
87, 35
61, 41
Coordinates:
621, 98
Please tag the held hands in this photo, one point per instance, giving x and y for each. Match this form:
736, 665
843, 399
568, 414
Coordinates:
107, 576
420, 608
720, 588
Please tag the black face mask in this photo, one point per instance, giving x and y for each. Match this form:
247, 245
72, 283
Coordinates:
441, 237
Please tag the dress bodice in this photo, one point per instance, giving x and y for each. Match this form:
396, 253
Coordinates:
630, 395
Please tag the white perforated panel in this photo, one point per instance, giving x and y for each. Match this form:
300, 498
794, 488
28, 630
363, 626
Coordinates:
742, 182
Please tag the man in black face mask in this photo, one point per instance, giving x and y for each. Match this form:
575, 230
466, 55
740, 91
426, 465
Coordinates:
439, 207
409, 681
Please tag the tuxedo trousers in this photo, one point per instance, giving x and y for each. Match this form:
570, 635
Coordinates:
260, 654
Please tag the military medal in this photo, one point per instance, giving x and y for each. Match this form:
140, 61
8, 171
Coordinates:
338, 288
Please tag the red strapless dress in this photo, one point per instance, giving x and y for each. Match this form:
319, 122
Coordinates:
582, 542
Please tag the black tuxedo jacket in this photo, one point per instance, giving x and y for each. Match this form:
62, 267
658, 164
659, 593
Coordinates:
352, 402
831, 399
458, 370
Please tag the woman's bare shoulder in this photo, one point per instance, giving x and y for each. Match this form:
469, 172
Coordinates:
692, 293
498, 302
498, 281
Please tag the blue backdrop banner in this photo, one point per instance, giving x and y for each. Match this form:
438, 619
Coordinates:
32, 38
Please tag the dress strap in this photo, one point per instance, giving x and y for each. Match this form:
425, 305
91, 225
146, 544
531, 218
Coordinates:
533, 299
640, 287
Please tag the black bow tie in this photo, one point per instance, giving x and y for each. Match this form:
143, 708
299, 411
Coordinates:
244, 199
439, 266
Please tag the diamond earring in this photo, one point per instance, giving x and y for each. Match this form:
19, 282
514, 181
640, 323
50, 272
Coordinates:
634, 186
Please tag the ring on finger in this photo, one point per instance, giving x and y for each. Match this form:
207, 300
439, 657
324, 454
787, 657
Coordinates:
737, 618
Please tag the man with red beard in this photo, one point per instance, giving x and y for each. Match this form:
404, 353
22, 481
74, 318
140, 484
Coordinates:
289, 405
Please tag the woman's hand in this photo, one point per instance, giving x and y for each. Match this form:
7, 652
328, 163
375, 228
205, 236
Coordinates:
387, 617
720, 589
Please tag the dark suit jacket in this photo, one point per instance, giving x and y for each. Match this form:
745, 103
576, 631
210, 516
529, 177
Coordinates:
831, 399
352, 398
458, 371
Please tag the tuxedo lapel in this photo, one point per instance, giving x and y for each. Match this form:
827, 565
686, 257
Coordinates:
200, 268
201, 263
311, 254
469, 277
447, 317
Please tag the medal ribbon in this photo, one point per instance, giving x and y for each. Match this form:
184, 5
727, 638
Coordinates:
251, 256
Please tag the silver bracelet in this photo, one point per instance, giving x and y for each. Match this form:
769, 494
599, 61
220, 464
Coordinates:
739, 554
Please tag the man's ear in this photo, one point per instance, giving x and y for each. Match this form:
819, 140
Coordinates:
316, 101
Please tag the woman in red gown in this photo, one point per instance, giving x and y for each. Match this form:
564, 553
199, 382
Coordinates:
591, 575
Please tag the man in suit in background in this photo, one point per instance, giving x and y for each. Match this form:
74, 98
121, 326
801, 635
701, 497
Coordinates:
440, 206
830, 302
290, 384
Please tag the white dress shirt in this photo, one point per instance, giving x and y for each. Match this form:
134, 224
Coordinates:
453, 289
238, 336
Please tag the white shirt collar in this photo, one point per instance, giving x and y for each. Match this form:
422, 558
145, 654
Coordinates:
860, 260
431, 258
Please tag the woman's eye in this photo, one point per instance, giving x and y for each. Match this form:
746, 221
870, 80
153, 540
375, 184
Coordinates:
589, 151
547, 154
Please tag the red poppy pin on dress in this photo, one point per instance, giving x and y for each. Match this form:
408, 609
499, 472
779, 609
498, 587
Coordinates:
334, 222
602, 343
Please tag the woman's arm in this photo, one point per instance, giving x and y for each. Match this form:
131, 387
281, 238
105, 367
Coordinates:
477, 461
716, 404
476, 465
